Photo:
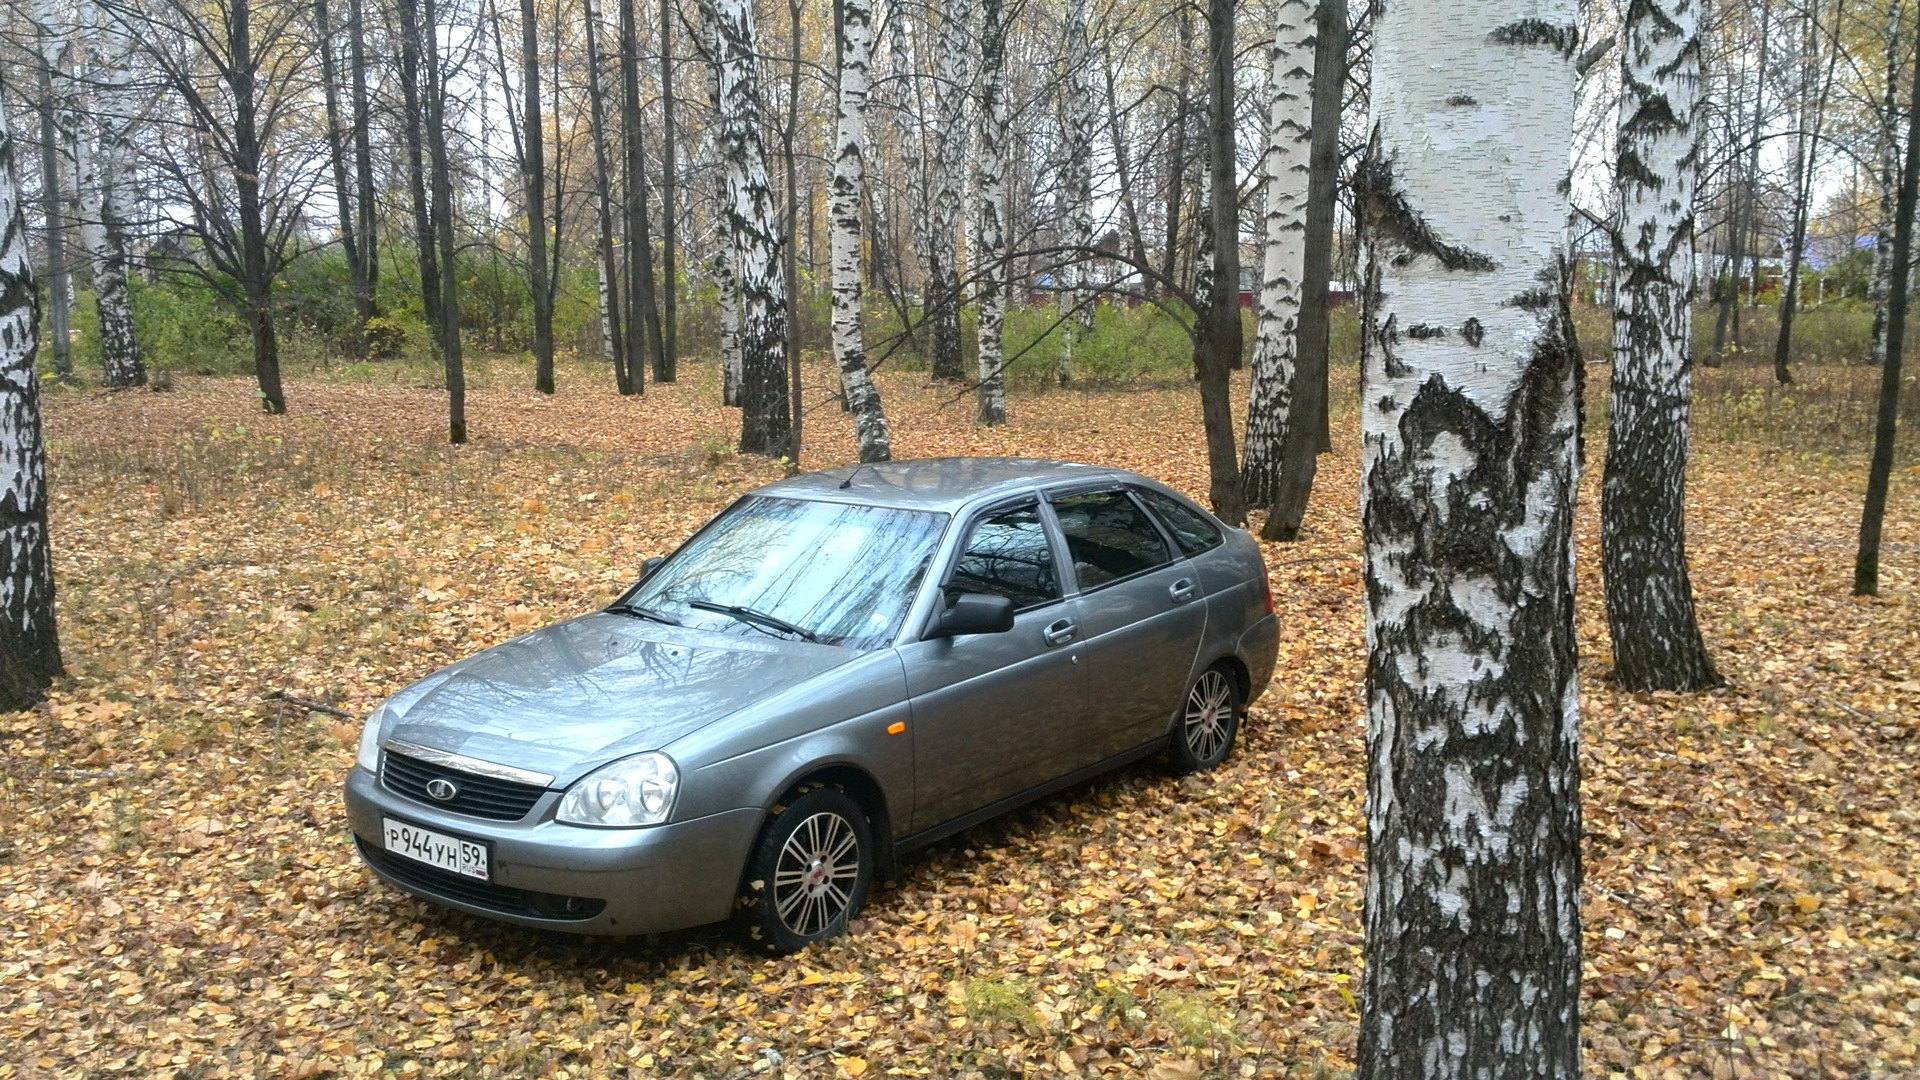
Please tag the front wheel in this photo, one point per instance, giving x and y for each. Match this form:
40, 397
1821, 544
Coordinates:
809, 872
1208, 723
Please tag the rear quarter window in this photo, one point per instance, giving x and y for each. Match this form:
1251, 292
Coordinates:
1191, 529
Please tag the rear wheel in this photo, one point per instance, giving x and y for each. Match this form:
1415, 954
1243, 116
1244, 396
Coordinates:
1208, 722
809, 872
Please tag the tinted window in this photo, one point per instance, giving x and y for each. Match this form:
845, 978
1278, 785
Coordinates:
1190, 528
1007, 554
1109, 537
840, 572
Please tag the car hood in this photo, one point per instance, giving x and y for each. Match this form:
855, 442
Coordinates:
579, 693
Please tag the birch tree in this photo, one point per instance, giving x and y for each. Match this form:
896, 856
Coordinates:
1472, 962
29, 638
849, 176
611, 337
765, 423
105, 163
949, 151
1218, 337
1076, 182
990, 208
1643, 549
1283, 248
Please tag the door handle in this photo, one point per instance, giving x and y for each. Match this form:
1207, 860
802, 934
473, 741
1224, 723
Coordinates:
1059, 633
1181, 591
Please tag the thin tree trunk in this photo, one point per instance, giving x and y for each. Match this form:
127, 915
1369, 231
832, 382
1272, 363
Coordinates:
1806, 158
52, 46
1286, 168
1643, 536
610, 328
1220, 331
1307, 436
414, 130
533, 178
855, 18
669, 212
1888, 144
1866, 565
29, 637
1077, 116
790, 240
1177, 152
442, 214
1123, 167
643, 314
104, 163
765, 423
943, 253
1473, 949
990, 208
337, 159
366, 303
248, 165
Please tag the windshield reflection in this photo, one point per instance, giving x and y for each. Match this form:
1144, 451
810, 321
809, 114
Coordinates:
842, 573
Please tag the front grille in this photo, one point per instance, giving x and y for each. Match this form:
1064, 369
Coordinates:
442, 884
480, 796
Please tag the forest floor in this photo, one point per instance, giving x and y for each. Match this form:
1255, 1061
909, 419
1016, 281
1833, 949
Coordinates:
178, 894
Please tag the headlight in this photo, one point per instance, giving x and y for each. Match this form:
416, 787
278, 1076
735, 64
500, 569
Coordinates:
632, 791
369, 756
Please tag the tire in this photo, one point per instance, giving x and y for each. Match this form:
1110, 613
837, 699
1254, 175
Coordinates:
809, 872
1208, 722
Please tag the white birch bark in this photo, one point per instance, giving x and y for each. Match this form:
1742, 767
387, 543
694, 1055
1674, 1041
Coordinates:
843, 213
725, 287
766, 423
1643, 546
1472, 965
1077, 114
949, 152
1283, 249
29, 642
104, 159
990, 212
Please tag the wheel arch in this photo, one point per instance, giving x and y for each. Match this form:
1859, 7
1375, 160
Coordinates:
861, 786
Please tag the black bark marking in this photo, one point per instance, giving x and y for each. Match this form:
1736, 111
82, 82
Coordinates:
1473, 332
1400, 225
1422, 331
1564, 39
1462, 100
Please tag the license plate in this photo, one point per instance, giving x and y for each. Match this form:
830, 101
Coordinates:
450, 853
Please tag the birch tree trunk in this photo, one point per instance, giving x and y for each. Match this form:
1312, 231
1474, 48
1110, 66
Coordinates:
1887, 142
725, 282
29, 637
1643, 545
610, 329
949, 151
990, 209
52, 47
765, 423
1078, 117
849, 178
1283, 248
1472, 964
105, 162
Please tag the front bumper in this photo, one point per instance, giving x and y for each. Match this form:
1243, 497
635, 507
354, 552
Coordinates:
566, 877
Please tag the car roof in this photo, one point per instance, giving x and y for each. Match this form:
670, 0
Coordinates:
943, 484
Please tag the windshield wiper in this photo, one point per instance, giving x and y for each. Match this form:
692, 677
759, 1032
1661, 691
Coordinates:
756, 618
647, 613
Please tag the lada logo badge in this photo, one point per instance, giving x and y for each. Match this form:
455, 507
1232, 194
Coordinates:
442, 789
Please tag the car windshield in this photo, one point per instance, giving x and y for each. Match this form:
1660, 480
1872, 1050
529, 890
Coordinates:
829, 572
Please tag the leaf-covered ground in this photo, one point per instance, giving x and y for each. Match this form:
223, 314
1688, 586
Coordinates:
179, 895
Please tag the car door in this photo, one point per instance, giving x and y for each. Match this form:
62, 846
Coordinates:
1142, 616
991, 711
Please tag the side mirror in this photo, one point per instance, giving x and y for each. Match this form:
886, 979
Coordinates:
647, 568
975, 613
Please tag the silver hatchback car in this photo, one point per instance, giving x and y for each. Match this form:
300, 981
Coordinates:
838, 669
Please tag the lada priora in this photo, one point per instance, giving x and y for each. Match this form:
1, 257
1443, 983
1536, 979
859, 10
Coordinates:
840, 668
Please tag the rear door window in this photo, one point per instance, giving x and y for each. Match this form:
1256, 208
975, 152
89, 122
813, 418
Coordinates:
1190, 528
1109, 537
